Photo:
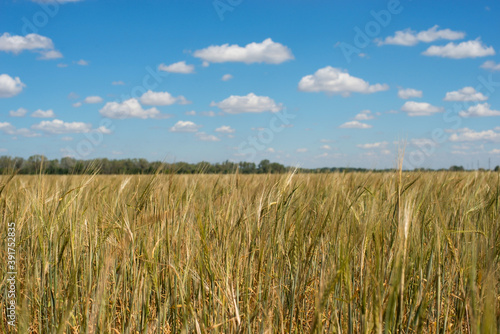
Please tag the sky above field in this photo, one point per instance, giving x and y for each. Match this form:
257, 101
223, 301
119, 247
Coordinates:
309, 83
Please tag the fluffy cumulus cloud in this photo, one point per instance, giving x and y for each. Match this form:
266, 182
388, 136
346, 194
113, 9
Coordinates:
104, 130
491, 65
364, 115
468, 135
43, 113
57, 126
9, 86
17, 44
465, 94
128, 109
479, 110
266, 52
93, 99
370, 146
185, 126
225, 129
151, 98
50, 54
9, 129
468, 49
408, 93
336, 81
410, 37
21, 112
31, 42
226, 77
250, 103
413, 108
355, 125
179, 67
206, 137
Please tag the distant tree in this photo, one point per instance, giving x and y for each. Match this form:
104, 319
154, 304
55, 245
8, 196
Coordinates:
456, 169
247, 167
264, 166
497, 169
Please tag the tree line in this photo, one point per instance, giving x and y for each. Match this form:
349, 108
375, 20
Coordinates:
40, 164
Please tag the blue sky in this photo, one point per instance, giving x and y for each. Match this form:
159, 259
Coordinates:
310, 83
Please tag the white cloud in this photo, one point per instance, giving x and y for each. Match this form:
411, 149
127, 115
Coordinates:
50, 54
93, 99
9, 86
62, 65
128, 109
18, 113
355, 125
468, 49
364, 115
249, 103
326, 147
468, 135
104, 130
495, 151
266, 52
420, 142
11, 130
465, 94
225, 129
57, 126
185, 126
370, 146
479, 110
336, 81
226, 77
77, 104
206, 137
66, 138
161, 99
408, 93
179, 67
17, 44
410, 37
118, 83
270, 150
491, 65
82, 62
190, 113
43, 113
413, 108
301, 150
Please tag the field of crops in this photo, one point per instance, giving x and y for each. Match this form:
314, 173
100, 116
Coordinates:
350, 253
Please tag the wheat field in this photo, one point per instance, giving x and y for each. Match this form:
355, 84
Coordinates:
293, 253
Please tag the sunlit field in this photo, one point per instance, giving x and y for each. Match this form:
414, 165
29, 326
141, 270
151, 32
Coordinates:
300, 253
